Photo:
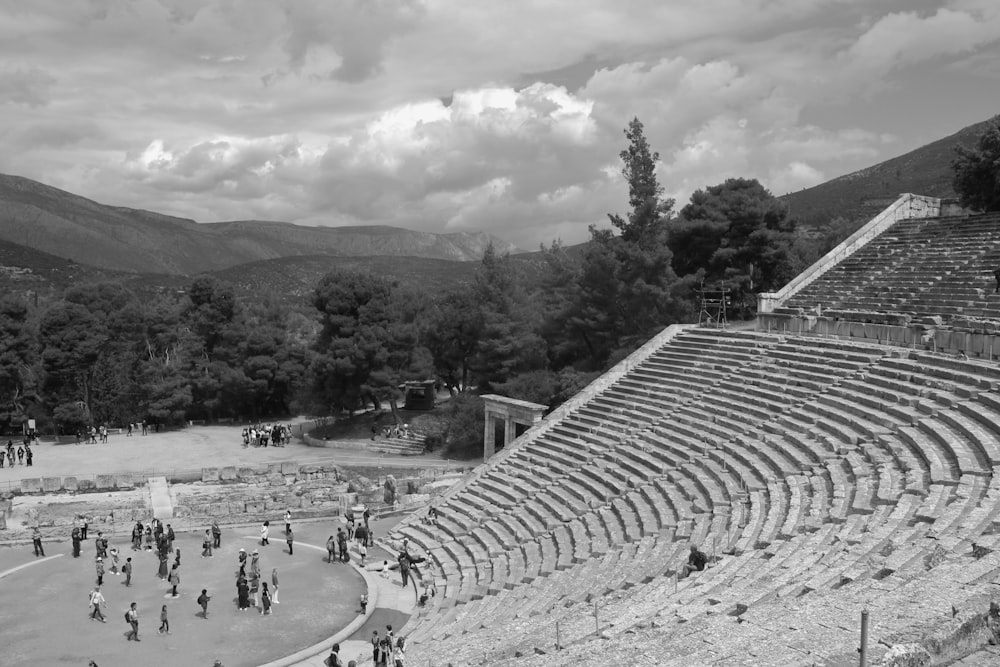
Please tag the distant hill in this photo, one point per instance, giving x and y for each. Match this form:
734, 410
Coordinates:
863, 193
66, 225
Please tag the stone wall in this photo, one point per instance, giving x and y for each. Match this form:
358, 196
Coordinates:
982, 343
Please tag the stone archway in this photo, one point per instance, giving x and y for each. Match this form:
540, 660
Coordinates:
512, 412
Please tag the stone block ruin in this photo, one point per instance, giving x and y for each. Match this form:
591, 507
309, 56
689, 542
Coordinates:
229, 495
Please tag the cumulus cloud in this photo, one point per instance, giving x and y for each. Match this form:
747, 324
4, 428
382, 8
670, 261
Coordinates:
419, 114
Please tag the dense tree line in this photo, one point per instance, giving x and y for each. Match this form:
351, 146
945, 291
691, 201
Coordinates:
102, 354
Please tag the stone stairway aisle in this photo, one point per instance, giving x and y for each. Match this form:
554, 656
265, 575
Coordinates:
159, 498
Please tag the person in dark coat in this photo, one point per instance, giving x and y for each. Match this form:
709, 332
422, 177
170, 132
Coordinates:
242, 593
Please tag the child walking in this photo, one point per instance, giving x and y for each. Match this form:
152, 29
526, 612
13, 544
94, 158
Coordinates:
203, 601
164, 623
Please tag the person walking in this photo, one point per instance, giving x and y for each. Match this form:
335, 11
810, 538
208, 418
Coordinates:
263, 533
288, 520
174, 579
375, 646
289, 539
216, 535
127, 571
36, 541
274, 585
265, 599
132, 618
99, 566
101, 545
75, 536
170, 539
161, 571
164, 623
203, 602
96, 602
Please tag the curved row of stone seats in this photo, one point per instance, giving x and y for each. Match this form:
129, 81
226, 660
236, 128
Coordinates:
944, 268
874, 488
819, 628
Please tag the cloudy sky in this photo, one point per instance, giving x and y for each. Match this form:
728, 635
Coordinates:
471, 115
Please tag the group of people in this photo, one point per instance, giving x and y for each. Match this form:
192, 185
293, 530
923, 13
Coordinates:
251, 589
22, 453
388, 650
259, 435
163, 538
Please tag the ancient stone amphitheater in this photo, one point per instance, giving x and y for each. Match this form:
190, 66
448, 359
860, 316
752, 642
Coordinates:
841, 455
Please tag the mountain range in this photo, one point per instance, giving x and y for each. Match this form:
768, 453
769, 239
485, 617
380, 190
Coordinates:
50, 239
860, 195
123, 239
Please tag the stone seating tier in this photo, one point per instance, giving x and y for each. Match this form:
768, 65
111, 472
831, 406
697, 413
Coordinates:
811, 494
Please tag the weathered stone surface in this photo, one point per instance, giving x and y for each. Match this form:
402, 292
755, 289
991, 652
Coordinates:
906, 655
254, 507
276, 479
227, 474
289, 468
52, 484
237, 507
245, 474
85, 485
69, 484
31, 485
124, 481
210, 474
105, 482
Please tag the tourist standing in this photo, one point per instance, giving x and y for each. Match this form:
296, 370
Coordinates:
265, 599
288, 520
274, 585
289, 538
75, 536
375, 646
254, 586
99, 566
331, 546
170, 539
206, 545
36, 542
174, 579
216, 535
127, 570
242, 592
263, 533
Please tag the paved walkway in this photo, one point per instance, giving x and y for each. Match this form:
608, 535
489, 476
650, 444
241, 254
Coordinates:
194, 448
159, 498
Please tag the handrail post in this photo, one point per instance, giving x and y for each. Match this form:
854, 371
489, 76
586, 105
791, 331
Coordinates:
863, 651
